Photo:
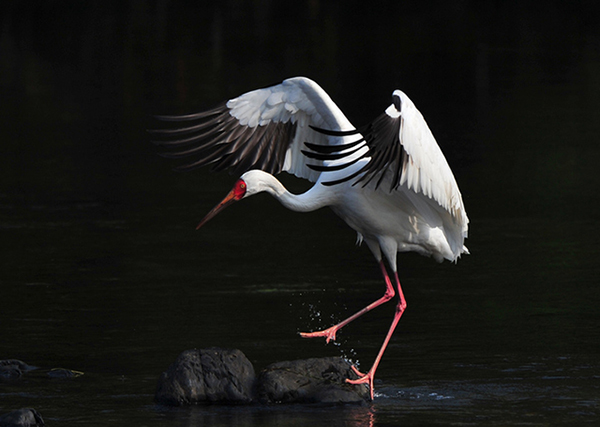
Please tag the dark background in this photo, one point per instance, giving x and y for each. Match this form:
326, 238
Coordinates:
80, 80
101, 270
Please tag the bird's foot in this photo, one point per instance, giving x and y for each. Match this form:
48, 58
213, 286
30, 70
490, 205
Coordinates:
328, 333
364, 379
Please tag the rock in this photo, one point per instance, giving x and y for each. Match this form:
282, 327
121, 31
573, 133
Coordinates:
210, 375
320, 380
18, 363
25, 417
12, 368
9, 372
217, 375
63, 373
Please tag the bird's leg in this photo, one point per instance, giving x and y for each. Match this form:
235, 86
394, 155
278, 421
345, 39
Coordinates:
368, 377
329, 333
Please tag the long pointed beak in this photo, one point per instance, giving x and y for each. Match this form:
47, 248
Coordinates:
228, 200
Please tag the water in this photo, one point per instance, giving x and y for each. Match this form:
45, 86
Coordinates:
102, 271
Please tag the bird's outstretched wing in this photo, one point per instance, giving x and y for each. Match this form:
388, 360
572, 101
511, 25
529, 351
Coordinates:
262, 129
402, 152
296, 127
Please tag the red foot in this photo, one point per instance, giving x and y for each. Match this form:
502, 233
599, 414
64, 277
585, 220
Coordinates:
328, 333
364, 379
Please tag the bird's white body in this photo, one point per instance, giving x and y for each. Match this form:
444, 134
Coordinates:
389, 180
424, 214
405, 222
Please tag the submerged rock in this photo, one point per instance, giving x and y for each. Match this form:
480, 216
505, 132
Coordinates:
212, 375
320, 380
13, 368
25, 417
18, 363
9, 372
63, 373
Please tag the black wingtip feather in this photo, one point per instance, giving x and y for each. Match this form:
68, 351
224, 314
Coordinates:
326, 149
217, 138
335, 132
323, 168
386, 153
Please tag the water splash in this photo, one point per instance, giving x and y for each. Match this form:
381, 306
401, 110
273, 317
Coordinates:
316, 321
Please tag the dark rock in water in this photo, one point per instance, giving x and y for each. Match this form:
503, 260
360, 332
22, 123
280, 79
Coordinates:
210, 375
25, 417
12, 368
310, 381
63, 373
10, 372
217, 375
18, 363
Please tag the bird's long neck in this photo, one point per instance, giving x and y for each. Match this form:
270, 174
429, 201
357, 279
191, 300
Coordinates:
313, 199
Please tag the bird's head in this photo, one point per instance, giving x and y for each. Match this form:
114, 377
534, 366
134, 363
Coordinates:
250, 183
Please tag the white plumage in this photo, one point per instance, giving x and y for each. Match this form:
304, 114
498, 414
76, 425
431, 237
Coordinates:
388, 180
298, 101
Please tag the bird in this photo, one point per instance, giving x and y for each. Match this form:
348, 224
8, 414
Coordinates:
388, 179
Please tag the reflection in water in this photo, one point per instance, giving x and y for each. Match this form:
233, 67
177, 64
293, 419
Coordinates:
349, 416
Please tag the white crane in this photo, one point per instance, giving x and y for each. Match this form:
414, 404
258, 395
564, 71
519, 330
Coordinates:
388, 180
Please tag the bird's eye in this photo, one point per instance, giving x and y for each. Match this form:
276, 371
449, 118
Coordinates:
239, 189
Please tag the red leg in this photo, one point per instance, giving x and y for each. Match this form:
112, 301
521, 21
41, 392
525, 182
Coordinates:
329, 333
368, 377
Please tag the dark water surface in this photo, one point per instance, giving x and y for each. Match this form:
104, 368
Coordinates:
102, 272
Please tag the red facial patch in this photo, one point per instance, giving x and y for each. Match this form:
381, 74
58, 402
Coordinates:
239, 189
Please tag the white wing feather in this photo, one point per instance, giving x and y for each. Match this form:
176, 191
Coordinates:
301, 101
427, 170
